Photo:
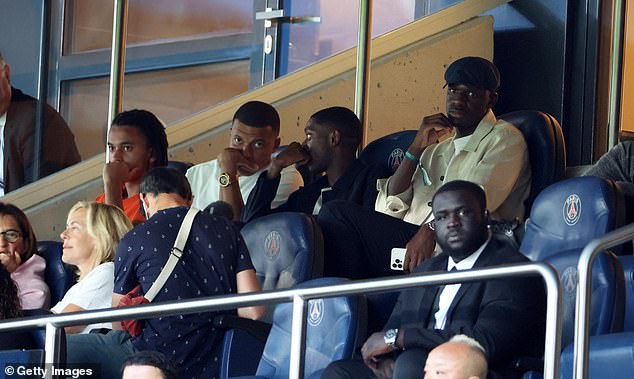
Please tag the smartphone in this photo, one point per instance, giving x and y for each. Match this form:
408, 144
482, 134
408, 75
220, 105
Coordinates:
397, 261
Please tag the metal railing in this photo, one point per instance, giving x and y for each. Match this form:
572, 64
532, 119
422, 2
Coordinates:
582, 311
300, 296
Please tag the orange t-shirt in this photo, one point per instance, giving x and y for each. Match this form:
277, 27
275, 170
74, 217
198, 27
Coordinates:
131, 208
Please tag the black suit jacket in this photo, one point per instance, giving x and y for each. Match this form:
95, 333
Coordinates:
507, 316
57, 141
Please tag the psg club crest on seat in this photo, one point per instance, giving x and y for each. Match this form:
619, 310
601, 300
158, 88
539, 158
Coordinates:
572, 209
272, 245
395, 158
315, 311
569, 280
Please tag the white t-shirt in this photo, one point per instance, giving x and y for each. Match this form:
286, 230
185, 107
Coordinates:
203, 178
92, 292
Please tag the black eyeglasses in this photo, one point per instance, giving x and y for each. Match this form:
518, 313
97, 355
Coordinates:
11, 235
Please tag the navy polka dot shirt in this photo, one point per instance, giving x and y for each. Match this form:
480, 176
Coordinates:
214, 254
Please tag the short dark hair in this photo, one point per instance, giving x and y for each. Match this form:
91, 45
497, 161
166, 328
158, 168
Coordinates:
166, 180
150, 127
258, 114
26, 230
154, 359
344, 120
464, 186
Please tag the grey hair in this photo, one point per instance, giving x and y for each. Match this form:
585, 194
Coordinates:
472, 343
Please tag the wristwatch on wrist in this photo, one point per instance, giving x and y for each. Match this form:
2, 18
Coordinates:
390, 337
225, 180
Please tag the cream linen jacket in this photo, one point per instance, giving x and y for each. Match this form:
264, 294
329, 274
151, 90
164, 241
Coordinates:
495, 157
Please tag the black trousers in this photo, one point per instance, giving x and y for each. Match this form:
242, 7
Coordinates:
409, 364
358, 241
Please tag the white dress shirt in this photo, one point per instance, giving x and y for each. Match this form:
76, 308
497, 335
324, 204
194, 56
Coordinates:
449, 291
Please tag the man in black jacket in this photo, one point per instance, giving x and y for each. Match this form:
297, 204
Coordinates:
332, 138
506, 316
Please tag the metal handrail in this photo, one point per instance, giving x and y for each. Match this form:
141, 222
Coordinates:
362, 72
584, 270
300, 296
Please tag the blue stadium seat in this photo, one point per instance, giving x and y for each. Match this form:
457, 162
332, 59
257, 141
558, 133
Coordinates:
389, 150
569, 214
334, 328
27, 347
610, 356
286, 249
627, 262
58, 275
28, 358
565, 217
546, 148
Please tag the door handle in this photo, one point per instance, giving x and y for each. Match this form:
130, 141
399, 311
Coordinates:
269, 16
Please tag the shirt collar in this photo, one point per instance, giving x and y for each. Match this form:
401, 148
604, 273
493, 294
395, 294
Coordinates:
484, 127
468, 262
3, 120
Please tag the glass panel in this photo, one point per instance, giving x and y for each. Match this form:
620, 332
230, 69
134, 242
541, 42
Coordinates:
306, 43
171, 94
89, 22
20, 30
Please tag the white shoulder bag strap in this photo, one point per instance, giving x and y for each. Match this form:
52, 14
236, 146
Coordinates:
175, 254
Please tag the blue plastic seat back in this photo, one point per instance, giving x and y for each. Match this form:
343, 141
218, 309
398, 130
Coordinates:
607, 295
388, 151
58, 275
610, 356
628, 268
546, 148
15, 358
286, 248
569, 214
333, 330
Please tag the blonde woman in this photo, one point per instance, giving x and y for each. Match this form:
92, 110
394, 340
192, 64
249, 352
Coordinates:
90, 240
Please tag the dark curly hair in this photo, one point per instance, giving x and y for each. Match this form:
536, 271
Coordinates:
9, 301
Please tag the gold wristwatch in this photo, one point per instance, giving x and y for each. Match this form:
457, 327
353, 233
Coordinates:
225, 180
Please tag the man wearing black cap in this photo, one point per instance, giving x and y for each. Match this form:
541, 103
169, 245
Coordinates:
483, 150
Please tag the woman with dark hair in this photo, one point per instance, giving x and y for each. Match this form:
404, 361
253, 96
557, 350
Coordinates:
9, 301
17, 254
136, 143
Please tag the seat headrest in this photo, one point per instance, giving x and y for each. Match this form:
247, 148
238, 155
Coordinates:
546, 149
286, 248
388, 151
569, 214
